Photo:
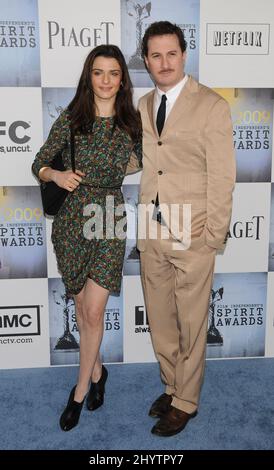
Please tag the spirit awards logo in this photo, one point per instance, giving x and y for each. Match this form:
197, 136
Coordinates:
21, 226
112, 319
19, 44
17, 34
252, 112
139, 11
253, 136
67, 341
141, 320
231, 315
214, 337
22, 233
236, 322
238, 38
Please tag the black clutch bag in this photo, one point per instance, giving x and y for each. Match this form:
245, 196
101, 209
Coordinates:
52, 195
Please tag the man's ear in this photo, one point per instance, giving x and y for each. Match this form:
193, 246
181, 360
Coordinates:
146, 63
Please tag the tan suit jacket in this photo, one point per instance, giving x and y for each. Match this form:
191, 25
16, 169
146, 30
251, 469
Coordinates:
192, 162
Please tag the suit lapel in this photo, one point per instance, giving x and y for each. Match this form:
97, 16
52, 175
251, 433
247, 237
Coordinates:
181, 104
150, 102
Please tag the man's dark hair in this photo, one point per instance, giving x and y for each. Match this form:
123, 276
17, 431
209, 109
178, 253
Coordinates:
159, 28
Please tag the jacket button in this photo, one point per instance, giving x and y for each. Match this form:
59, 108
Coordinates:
160, 143
160, 172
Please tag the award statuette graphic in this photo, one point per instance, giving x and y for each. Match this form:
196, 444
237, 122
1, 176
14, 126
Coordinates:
67, 341
54, 110
132, 205
140, 11
214, 337
132, 257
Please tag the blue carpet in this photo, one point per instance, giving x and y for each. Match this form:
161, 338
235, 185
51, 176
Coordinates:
236, 410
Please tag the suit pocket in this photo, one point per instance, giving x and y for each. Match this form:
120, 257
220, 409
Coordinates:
187, 224
198, 221
190, 219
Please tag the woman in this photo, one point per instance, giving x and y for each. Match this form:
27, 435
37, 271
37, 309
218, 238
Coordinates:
107, 132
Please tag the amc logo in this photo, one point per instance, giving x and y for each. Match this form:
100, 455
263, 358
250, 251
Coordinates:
20, 320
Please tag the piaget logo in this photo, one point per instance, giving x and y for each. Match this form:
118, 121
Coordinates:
237, 38
59, 36
247, 228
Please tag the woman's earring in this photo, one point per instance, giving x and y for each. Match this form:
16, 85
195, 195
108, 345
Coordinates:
121, 85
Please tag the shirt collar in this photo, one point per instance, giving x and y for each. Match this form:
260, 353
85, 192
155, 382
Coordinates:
174, 92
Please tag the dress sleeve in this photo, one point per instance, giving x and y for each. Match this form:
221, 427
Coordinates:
56, 141
135, 161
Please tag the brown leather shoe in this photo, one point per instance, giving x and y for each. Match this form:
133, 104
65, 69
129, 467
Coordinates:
173, 422
160, 406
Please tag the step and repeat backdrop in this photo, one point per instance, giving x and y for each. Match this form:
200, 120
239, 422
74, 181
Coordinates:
43, 44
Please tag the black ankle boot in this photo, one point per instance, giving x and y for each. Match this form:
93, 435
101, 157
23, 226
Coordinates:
71, 414
96, 392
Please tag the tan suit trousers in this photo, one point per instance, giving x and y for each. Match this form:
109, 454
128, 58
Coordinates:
177, 287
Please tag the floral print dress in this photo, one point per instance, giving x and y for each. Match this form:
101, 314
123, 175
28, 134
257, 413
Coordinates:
105, 156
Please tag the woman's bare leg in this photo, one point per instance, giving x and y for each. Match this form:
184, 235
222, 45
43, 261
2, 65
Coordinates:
90, 307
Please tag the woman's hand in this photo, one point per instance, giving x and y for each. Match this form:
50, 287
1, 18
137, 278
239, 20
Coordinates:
67, 179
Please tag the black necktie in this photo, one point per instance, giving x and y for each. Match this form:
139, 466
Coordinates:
160, 121
161, 115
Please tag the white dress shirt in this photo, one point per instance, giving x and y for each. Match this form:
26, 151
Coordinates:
171, 95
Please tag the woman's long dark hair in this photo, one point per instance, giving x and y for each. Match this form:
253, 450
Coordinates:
82, 107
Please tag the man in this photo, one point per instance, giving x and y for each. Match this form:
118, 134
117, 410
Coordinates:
188, 158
